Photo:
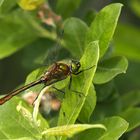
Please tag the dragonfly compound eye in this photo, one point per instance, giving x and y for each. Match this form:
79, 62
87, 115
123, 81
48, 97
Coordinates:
78, 64
75, 66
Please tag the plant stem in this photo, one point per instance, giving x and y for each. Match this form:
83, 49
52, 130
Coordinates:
37, 103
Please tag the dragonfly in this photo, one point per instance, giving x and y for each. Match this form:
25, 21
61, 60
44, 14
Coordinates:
56, 72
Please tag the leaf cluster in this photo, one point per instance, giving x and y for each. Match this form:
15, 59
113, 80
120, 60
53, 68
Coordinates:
101, 113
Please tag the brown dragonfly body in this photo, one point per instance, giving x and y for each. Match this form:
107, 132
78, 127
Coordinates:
56, 72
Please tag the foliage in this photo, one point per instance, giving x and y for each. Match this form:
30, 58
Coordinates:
93, 107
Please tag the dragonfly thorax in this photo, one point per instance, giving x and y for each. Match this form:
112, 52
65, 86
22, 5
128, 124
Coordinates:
56, 72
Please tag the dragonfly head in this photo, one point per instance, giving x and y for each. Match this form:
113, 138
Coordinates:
75, 66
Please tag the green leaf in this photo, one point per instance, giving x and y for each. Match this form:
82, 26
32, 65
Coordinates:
73, 103
14, 124
88, 106
17, 35
74, 36
24, 138
109, 68
116, 126
105, 91
23, 30
34, 75
127, 41
130, 99
70, 130
1, 2
89, 16
67, 7
7, 6
103, 26
132, 115
39, 52
107, 109
130, 81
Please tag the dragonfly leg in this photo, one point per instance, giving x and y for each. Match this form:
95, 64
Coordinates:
36, 97
70, 82
35, 100
58, 89
81, 94
84, 70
